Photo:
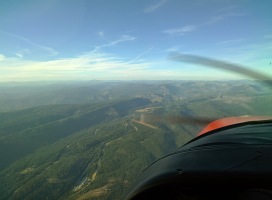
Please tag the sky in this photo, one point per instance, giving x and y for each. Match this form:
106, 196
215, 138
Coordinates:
132, 39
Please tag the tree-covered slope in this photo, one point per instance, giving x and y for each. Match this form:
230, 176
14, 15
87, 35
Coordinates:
97, 150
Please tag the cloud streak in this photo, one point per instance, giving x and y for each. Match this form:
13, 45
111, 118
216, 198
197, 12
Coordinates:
180, 31
2, 57
231, 42
101, 33
90, 64
221, 17
154, 7
123, 38
50, 51
140, 55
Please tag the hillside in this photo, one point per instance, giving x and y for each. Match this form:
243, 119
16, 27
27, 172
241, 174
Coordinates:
62, 148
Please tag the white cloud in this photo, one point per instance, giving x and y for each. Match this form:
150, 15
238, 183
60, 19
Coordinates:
180, 31
190, 28
123, 38
221, 17
37, 47
175, 48
19, 55
101, 33
22, 53
2, 57
154, 7
83, 66
97, 65
140, 55
231, 42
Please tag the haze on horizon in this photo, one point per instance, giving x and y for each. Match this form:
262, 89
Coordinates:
131, 40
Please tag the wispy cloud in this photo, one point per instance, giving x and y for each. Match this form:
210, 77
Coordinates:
123, 38
22, 53
2, 57
45, 49
90, 64
231, 42
180, 31
218, 18
154, 7
101, 33
174, 48
140, 55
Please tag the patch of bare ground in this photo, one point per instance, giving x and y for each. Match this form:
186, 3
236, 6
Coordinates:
97, 192
145, 124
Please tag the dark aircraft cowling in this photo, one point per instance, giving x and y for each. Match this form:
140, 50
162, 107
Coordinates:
220, 164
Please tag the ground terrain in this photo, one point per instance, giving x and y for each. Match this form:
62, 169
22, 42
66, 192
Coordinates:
90, 140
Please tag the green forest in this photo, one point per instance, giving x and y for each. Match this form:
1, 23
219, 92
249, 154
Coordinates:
91, 140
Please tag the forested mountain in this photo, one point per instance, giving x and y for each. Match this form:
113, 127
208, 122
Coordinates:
90, 140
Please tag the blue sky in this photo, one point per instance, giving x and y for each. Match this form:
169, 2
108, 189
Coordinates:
131, 39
